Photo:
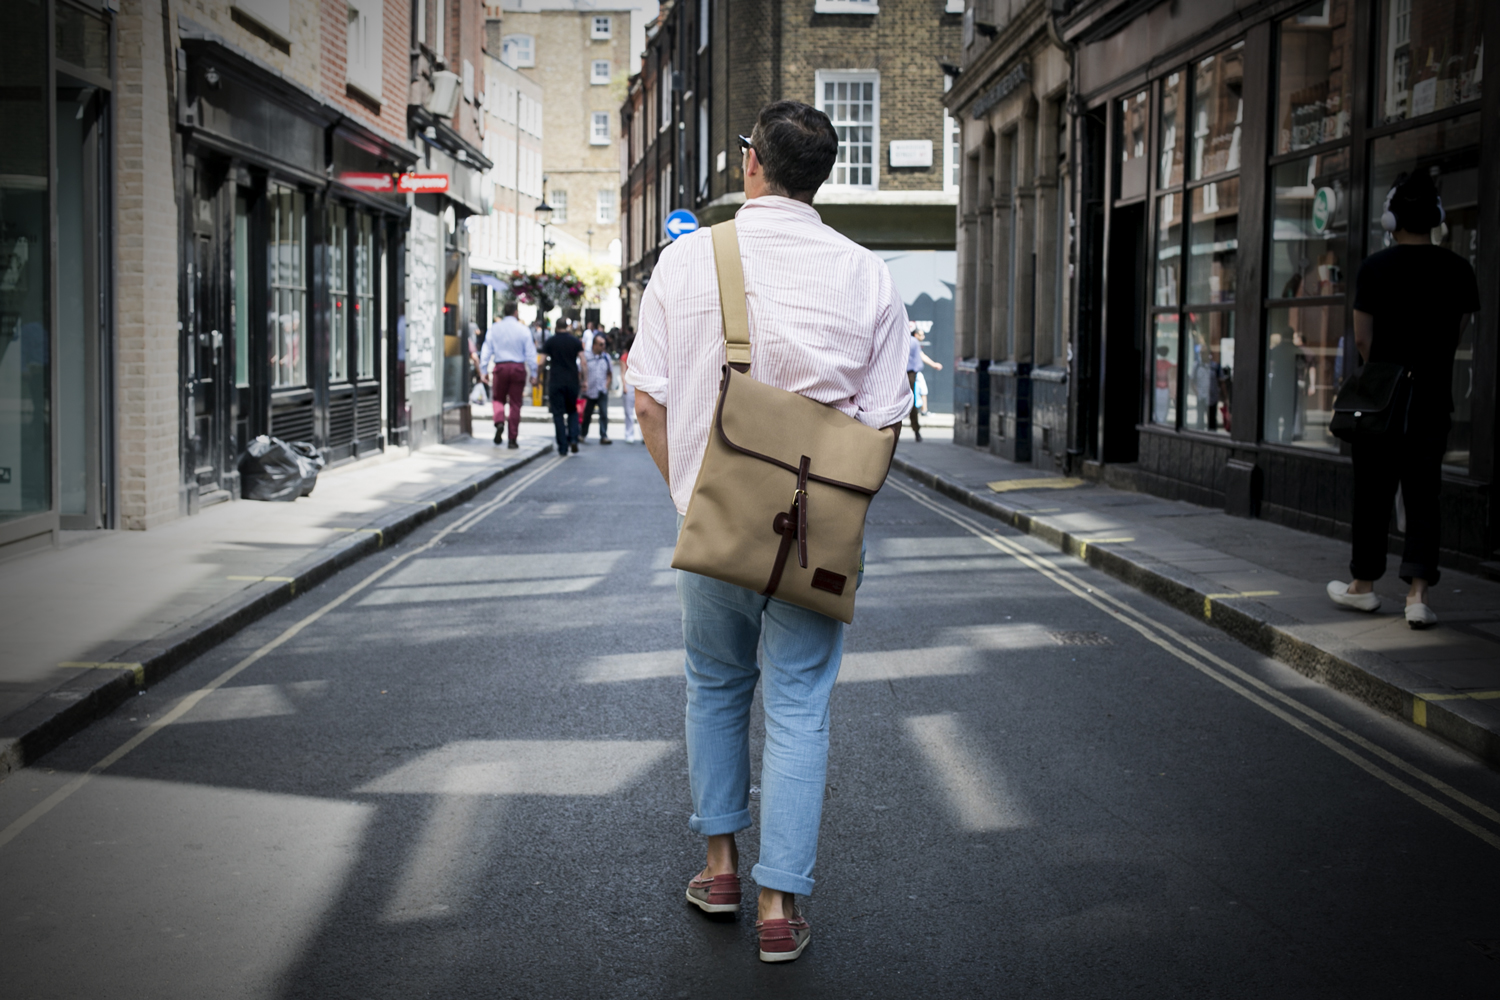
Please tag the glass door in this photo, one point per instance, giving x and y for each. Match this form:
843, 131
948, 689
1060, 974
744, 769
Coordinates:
207, 379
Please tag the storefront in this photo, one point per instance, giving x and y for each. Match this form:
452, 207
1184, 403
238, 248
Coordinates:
291, 249
1233, 173
57, 82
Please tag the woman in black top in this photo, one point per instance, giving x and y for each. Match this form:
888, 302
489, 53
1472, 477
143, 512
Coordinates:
1410, 303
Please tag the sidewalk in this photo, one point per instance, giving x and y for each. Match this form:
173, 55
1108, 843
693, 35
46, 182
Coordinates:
111, 611
1260, 582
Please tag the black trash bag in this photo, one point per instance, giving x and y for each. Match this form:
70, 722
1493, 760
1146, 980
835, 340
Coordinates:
273, 469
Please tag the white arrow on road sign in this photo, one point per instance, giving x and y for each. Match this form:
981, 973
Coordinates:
680, 223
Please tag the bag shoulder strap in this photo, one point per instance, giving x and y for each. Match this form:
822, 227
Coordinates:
732, 296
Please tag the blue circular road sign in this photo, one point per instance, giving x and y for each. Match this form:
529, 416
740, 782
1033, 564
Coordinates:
680, 223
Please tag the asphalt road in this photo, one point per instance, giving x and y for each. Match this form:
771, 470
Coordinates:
457, 770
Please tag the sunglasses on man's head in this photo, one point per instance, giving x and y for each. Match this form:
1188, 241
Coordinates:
745, 143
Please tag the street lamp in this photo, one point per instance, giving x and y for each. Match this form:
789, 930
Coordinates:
590, 233
543, 214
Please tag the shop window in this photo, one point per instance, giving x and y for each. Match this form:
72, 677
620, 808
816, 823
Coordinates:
1316, 63
1449, 152
1431, 56
1218, 111
364, 298
1164, 370
338, 293
1213, 242
852, 102
25, 354
1305, 362
1168, 249
1309, 243
1208, 383
241, 345
1130, 140
288, 268
1173, 129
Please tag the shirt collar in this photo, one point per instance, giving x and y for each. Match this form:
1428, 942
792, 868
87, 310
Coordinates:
778, 203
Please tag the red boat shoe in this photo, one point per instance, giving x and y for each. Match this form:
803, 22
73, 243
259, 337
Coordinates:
783, 940
718, 894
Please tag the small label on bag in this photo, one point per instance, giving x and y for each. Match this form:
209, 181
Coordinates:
830, 581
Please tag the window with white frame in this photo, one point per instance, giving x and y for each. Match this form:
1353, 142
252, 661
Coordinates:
364, 40
599, 72
602, 28
518, 51
599, 129
559, 205
604, 207
851, 100
703, 6
664, 87
846, 7
951, 161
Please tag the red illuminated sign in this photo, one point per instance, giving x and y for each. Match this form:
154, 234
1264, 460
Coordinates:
422, 183
378, 183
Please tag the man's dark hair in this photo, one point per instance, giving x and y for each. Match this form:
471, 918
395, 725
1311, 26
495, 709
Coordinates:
1415, 202
796, 145
509, 310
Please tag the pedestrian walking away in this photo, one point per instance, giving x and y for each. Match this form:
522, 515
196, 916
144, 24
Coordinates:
510, 359
915, 359
627, 394
1411, 303
826, 323
596, 392
564, 374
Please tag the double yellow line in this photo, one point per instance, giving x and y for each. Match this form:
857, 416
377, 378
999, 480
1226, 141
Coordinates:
1342, 741
188, 702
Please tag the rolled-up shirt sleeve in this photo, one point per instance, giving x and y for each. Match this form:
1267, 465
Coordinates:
884, 398
649, 370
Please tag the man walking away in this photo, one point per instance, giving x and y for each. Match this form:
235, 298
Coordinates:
564, 365
913, 369
825, 322
510, 359
596, 393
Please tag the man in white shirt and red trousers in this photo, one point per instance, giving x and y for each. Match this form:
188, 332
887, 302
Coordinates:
825, 322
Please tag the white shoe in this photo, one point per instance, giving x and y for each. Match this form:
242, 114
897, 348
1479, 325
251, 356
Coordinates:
1339, 592
1420, 616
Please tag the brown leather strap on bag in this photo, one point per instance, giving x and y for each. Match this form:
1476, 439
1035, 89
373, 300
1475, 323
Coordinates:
732, 296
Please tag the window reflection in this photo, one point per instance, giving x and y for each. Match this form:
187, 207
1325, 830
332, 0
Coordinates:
1213, 243
1309, 226
1208, 389
1131, 141
288, 287
1168, 249
1305, 353
1164, 370
1431, 56
1173, 129
1316, 60
1218, 110
338, 293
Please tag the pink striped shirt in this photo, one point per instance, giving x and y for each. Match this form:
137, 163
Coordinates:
825, 322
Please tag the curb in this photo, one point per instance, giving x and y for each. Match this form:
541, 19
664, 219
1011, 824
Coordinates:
1359, 673
75, 703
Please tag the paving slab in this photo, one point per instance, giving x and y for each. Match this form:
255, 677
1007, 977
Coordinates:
1263, 583
107, 612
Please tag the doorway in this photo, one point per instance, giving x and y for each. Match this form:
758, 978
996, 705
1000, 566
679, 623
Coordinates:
208, 382
1125, 309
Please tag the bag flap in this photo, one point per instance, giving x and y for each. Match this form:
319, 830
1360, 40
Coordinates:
1370, 389
779, 427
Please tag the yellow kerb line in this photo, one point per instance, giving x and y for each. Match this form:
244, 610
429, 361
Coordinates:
1461, 696
1208, 600
1238, 681
257, 579
1049, 483
189, 701
138, 669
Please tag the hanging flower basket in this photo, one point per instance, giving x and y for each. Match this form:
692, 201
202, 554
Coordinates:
546, 291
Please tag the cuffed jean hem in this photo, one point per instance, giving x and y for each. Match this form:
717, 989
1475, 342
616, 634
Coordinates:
771, 878
1426, 571
715, 825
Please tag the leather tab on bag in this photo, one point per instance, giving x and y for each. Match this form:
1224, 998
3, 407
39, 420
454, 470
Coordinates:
732, 296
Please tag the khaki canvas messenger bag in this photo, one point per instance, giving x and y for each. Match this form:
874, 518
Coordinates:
780, 501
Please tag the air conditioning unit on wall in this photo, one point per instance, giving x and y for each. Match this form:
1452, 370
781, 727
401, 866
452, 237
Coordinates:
447, 88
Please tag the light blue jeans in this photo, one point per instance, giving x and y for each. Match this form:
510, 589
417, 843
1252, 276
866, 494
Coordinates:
734, 637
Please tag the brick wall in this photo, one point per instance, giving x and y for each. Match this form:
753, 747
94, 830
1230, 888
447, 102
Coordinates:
147, 401
389, 115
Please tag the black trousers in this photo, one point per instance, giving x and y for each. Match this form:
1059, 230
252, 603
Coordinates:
600, 403
564, 405
1413, 461
911, 379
